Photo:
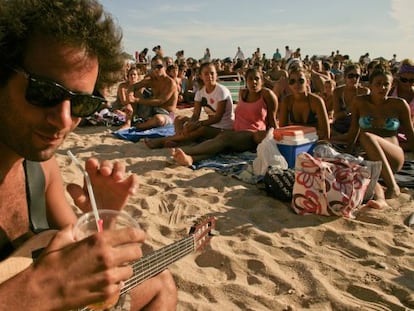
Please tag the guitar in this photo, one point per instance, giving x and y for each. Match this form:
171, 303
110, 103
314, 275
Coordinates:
144, 268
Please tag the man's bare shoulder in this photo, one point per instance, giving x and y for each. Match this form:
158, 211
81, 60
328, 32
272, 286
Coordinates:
50, 169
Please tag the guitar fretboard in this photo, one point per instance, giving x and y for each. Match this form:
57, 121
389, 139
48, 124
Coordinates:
156, 262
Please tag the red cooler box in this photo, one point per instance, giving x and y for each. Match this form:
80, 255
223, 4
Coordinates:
294, 139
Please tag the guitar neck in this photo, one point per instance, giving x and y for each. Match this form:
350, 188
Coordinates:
156, 262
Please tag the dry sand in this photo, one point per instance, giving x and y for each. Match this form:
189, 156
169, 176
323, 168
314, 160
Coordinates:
266, 257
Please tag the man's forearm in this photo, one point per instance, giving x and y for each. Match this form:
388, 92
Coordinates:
150, 102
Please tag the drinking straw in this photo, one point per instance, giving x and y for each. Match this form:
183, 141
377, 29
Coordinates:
99, 222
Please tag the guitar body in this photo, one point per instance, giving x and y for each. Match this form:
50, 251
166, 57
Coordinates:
23, 257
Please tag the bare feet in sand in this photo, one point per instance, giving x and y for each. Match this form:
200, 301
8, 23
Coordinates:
181, 157
379, 201
378, 204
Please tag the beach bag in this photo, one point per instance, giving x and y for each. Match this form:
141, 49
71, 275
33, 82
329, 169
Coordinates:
328, 186
268, 154
279, 183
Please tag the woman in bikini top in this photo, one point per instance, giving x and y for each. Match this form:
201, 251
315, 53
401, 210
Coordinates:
376, 119
303, 107
391, 124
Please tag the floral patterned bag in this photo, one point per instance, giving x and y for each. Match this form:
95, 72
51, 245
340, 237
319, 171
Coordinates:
328, 186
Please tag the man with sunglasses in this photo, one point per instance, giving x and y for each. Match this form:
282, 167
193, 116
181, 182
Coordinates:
160, 107
53, 55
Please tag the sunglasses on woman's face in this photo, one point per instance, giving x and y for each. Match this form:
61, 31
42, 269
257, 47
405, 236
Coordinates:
406, 80
46, 93
157, 66
293, 81
352, 75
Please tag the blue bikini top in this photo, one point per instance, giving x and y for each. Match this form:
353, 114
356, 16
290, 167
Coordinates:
391, 124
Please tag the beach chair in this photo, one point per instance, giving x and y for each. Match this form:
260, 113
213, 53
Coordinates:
234, 83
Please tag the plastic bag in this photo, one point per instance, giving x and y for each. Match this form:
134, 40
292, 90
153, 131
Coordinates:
268, 154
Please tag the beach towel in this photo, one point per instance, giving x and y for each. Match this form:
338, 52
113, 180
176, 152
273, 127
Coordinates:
235, 164
134, 134
405, 176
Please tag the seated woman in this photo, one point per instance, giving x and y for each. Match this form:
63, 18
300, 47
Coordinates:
327, 96
303, 107
404, 88
216, 101
376, 118
343, 97
172, 71
404, 84
255, 114
122, 105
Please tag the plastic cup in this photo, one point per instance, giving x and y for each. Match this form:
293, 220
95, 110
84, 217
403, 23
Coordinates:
111, 220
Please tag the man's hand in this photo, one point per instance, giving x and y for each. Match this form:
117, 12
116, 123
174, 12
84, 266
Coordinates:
110, 184
73, 274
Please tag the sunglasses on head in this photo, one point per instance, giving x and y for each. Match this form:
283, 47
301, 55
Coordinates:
293, 81
405, 80
45, 93
158, 66
352, 75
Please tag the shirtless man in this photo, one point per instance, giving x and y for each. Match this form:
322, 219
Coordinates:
160, 107
49, 69
274, 74
318, 76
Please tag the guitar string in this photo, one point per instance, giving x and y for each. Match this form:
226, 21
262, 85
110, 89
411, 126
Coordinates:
137, 278
168, 255
184, 246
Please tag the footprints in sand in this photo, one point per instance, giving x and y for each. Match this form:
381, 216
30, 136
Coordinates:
161, 193
369, 299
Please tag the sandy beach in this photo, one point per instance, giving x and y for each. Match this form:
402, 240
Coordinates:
266, 257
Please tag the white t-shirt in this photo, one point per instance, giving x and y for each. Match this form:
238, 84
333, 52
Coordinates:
219, 94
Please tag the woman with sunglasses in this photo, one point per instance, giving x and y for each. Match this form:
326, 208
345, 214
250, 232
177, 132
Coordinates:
255, 114
302, 107
404, 84
343, 97
376, 118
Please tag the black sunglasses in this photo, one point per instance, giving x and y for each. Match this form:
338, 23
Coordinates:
45, 93
405, 80
352, 75
158, 66
293, 81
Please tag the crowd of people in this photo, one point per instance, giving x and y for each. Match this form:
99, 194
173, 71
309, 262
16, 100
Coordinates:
322, 92
53, 73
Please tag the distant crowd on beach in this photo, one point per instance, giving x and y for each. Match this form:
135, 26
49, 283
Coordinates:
365, 104
328, 67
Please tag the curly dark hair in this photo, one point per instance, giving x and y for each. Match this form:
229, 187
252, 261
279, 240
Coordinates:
82, 23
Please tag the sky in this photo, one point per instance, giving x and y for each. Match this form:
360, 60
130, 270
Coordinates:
318, 27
